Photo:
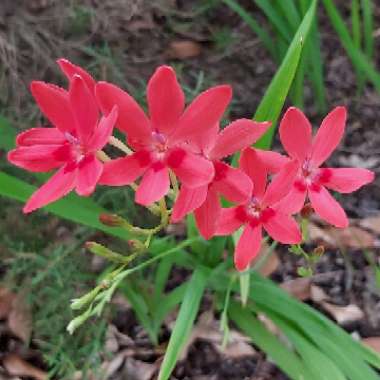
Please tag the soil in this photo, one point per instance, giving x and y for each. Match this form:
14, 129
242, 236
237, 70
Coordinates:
137, 38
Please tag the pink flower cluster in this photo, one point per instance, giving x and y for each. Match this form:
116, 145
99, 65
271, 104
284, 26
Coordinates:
188, 143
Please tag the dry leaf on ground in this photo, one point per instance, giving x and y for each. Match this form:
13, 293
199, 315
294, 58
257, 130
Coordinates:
208, 329
183, 49
350, 237
19, 367
344, 314
372, 342
6, 300
299, 288
271, 264
20, 319
138, 370
372, 223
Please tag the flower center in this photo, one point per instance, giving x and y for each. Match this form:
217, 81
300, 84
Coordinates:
77, 149
159, 142
253, 208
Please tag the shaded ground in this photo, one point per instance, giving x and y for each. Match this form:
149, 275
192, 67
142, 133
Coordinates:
123, 42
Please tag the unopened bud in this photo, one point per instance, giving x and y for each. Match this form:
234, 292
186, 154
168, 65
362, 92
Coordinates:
307, 211
136, 245
79, 303
111, 220
101, 250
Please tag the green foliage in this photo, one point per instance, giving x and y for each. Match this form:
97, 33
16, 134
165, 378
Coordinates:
360, 60
49, 274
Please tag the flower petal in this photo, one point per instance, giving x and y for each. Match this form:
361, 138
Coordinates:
329, 135
39, 158
188, 200
327, 207
283, 228
60, 184
54, 104
84, 108
154, 185
281, 184
228, 221
247, 247
254, 167
207, 215
293, 202
89, 172
41, 136
346, 180
236, 136
103, 131
295, 134
273, 161
125, 170
166, 100
131, 118
203, 113
69, 69
204, 142
192, 169
232, 183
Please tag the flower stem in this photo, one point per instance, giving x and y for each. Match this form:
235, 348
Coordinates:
119, 145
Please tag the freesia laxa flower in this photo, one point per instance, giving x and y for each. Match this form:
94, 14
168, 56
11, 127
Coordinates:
160, 141
310, 153
232, 183
71, 145
260, 210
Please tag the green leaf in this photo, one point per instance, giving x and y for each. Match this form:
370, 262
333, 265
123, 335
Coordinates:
271, 105
71, 208
322, 367
184, 322
261, 337
359, 60
324, 334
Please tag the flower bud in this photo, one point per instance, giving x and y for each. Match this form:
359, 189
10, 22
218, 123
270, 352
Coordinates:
111, 220
136, 245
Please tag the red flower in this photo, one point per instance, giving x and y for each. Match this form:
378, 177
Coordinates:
71, 145
160, 141
261, 210
311, 153
232, 183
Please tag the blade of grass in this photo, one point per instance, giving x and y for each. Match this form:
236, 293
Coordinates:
276, 19
290, 11
274, 98
254, 25
314, 60
368, 28
359, 60
184, 322
357, 38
